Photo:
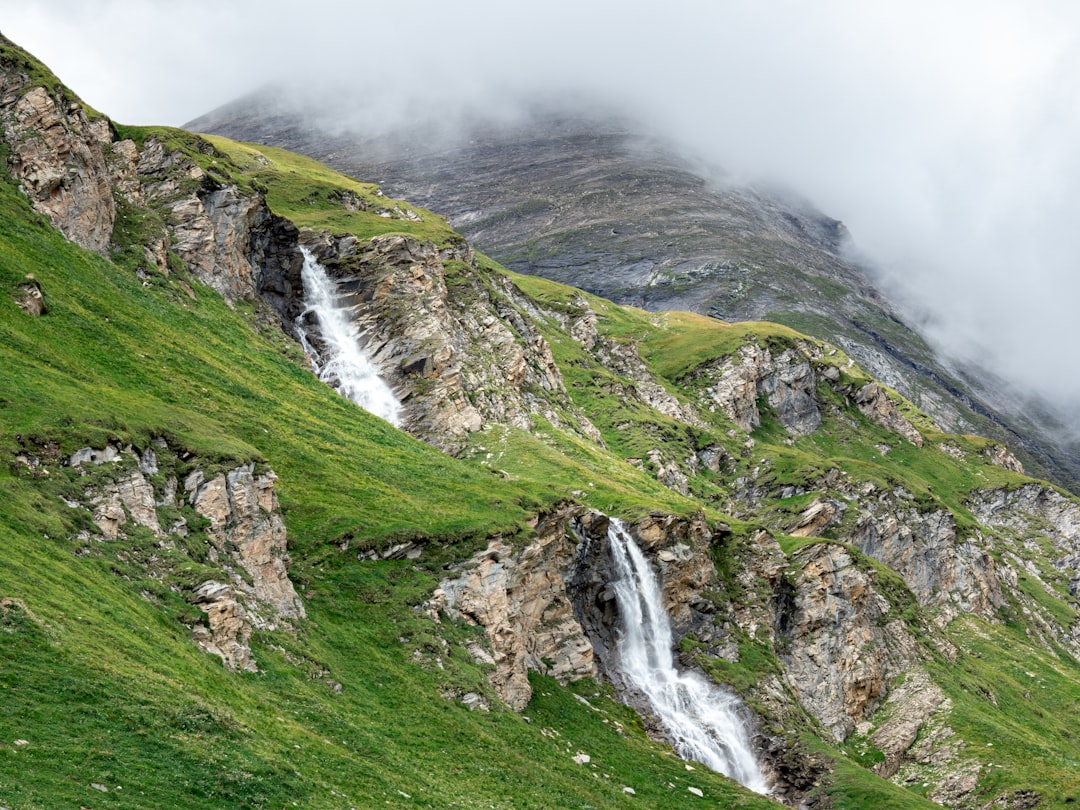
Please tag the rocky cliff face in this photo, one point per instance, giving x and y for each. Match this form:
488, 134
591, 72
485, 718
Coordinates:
519, 597
549, 607
942, 570
452, 340
58, 157
846, 641
240, 555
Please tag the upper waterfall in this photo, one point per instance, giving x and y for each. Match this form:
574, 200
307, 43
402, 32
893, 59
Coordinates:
341, 362
699, 718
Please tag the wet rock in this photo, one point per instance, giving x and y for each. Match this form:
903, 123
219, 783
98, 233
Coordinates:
460, 361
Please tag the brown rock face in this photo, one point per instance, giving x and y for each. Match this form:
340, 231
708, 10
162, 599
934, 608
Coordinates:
57, 158
243, 512
458, 362
228, 628
521, 601
844, 647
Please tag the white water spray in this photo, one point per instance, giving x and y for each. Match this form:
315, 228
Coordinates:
699, 718
342, 364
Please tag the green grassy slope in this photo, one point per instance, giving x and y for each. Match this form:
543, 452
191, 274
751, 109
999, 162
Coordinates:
106, 688
101, 686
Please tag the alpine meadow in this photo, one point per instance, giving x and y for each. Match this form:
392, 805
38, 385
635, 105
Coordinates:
309, 500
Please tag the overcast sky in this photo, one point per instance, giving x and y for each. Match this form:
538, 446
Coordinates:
945, 134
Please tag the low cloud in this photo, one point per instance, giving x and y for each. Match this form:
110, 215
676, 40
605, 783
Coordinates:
944, 135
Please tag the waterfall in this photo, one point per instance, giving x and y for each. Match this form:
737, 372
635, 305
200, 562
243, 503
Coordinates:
341, 363
698, 716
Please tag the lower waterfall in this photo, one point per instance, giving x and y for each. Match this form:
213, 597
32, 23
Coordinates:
341, 363
699, 718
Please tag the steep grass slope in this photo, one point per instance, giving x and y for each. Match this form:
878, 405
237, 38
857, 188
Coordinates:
107, 701
104, 685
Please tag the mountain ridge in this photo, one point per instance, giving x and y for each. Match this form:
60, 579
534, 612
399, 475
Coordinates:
590, 199
167, 449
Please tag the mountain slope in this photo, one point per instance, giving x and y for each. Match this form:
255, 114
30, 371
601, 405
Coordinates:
891, 602
586, 199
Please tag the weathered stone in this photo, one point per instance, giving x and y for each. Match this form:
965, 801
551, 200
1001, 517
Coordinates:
623, 359
29, 298
787, 380
941, 570
908, 708
57, 158
89, 454
228, 630
1033, 511
817, 517
874, 402
999, 454
458, 362
245, 524
130, 495
842, 645
520, 600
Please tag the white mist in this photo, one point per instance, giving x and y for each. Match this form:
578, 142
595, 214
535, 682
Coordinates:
699, 718
342, 364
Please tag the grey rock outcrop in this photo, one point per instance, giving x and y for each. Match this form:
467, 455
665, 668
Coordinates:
130, 498
246, 541
876, 405
908, 709
246, 526
1031, 512
1000, 455
787, 380
230, 240
844, 644
943, 571
623, 359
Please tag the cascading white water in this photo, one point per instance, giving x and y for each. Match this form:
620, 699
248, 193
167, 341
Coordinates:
342, 364
699, 718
